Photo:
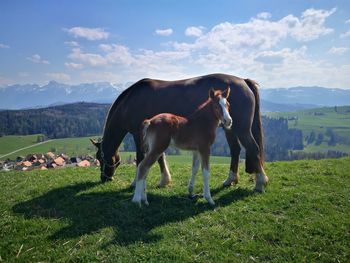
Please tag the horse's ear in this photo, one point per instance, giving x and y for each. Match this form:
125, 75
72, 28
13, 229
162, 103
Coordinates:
226, 92
95, 143
211, 93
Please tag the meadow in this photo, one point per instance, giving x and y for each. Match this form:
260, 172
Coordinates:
319, 120
67, 215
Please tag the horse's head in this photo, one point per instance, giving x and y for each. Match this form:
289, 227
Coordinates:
221, 106
107, 165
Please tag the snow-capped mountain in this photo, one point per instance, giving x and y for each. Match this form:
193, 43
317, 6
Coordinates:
32, 95
54, 93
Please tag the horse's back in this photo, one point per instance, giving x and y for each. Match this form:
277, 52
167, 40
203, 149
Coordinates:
149, 97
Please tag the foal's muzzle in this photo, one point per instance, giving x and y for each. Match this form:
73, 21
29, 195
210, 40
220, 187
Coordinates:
227, 123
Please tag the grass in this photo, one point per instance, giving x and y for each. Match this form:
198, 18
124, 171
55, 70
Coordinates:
13, 142
319, 120
67, 215
75, 147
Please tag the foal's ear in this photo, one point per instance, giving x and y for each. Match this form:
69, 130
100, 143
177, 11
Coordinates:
212, 93
95, 143
226, 92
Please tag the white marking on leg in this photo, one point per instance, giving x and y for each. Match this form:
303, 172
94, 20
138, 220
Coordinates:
261, 180
165, 178
139, 189
231, 178
144, 193
195, 167
226, 115
206, 188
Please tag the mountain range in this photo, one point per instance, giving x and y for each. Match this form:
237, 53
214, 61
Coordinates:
54, 93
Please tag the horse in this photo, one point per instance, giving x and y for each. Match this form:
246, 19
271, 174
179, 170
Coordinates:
195, 133
149, 97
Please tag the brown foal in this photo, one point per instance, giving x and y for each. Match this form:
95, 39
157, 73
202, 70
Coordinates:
195, 133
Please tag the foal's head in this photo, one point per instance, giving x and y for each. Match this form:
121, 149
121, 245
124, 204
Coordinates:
221, 106
107, 165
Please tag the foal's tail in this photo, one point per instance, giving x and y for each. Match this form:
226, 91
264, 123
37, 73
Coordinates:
257, 126
144, 127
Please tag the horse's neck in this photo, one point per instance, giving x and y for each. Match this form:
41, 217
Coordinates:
204, 114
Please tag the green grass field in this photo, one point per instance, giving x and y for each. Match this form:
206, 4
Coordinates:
318, 120
76, 147
67, 215
13, 142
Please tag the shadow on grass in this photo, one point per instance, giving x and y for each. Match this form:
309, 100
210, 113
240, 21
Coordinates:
89, 212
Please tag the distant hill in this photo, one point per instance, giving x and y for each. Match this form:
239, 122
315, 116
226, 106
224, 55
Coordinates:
35, 96
54, 93
70, 120
314, 96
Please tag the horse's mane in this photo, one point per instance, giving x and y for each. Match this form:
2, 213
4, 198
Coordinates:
116, 105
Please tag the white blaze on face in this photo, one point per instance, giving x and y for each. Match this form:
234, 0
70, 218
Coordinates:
227, 120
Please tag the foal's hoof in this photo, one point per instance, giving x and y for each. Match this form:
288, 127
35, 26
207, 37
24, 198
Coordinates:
232, 179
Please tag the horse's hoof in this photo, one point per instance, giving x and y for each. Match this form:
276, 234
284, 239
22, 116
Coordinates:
105, 179
211, 201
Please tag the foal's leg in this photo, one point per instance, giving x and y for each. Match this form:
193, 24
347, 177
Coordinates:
195, 167
165, 177
253, 162
206, 175
139, 154
142, 172
235, 149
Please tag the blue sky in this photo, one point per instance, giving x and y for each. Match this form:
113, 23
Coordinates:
278, 43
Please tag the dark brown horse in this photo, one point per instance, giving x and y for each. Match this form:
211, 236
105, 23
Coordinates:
195, 133
149, 97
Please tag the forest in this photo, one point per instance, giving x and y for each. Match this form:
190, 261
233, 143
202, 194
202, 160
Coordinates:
87, 119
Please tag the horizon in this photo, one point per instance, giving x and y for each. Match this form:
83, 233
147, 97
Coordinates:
279, 44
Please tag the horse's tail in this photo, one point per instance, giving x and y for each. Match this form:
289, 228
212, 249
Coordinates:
257, 125
144, 127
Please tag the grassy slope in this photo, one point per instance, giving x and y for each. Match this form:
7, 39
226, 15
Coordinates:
67, 215
307, 121
74, 147
13, 142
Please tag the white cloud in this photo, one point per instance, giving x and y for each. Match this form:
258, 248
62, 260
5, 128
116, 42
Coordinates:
72, 65
338, 50
311, 24
4, 46
23, 74
36, 58
58, 76
251, 49
88, 33
87, 58
164, 32
347, 21
263, 15
72, 43
194, 31
5, 81
346, 34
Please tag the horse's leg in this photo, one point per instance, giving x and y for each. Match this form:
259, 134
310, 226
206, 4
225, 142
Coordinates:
142, 172
139, 154
253, 162
195, 167
235, 149
204, 154
165, 177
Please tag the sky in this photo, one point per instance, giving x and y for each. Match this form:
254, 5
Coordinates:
277, 43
